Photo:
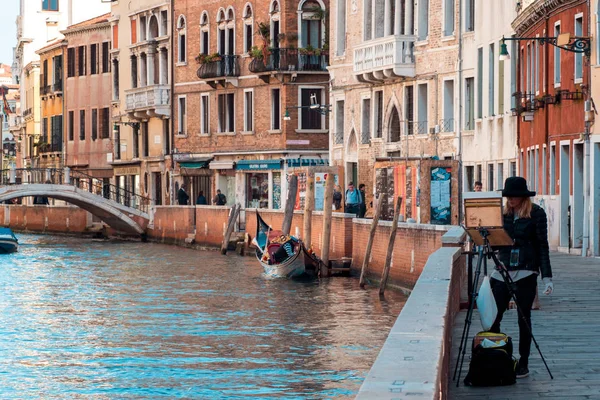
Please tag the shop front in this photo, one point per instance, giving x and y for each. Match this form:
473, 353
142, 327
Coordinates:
224, 180
262, 182
127, 182
197, 176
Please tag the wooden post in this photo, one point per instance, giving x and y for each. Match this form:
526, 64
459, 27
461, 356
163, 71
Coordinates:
363, 271
309, 206
230, 225
289, 206
390, 250
327, 210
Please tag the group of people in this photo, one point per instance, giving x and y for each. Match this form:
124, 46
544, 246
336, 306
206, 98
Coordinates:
183, 198
355, 200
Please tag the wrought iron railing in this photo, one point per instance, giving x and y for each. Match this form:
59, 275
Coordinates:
226, 65
50, 148
83, 181
290, 60
339, 137
446, 125
365, 137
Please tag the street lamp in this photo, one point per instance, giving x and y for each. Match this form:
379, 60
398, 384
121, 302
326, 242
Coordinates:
322, 109
574, 44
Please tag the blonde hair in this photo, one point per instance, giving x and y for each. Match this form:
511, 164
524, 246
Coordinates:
522, 211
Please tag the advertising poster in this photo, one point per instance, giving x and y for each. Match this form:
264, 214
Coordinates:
440, 196
319, 190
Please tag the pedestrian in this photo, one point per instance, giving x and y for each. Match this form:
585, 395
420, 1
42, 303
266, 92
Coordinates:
363, 204
182, 196
353, 200
527, 225
201, 200
337, 197
478, 186
220, 199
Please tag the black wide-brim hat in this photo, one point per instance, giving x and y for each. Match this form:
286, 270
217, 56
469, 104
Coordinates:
516, 186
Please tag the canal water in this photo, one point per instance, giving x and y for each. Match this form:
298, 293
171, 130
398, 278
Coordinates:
106, 319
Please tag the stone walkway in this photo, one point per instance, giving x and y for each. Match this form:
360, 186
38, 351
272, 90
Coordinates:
567, 329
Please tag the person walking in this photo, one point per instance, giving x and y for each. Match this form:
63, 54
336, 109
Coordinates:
220, 199
201, 200
182, 196
363, 204
353, 200
527, 225
337, 197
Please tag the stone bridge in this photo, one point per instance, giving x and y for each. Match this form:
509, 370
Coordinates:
121, 210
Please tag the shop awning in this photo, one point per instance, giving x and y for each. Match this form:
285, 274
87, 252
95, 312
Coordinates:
306, 162
254, 165
193, 164
221, 165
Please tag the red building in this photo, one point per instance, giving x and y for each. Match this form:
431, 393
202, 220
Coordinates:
553, 85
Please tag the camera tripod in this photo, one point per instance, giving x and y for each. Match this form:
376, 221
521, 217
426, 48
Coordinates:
484, 253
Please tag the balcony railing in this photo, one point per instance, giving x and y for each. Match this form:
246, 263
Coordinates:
27, 112
50, 148
226, 65
148, 97
385, 58
46, 89
57, 86
291, 60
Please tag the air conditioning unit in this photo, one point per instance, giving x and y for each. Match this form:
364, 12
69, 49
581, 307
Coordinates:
435, 130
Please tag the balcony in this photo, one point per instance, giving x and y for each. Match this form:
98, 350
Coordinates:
291, 60
50, 148
149, 101
385, 58
222, 68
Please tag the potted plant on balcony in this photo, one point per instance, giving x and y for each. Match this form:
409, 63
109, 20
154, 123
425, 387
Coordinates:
258, 59
207, 58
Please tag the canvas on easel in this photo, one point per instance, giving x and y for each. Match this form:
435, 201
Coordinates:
483, 210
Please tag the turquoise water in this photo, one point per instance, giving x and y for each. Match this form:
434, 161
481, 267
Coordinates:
111, 320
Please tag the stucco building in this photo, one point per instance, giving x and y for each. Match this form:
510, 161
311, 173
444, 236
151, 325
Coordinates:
245, 74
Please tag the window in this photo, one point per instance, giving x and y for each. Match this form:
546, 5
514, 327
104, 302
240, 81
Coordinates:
105, 123
501, 84
479, 172
469, 104
528, 71
394, 126
480, 82
276, 109
500, 174
133, 31
44, 130
204, 114
536, 167
448, 17
204, 43
49, 5
368, 20
513, 168
136, 141
423, 22
93, 59
115, 92
409, 109
70, 62
226, 109
448, 122
143, 26
552, 170
81, 61
341, 27
94, 124
81, 124
57, 132
557, 60
145, 139
470, 16
248, 29
71, 125
310, 119
182, 51
339, 122
490, 182
181, 115
365, 125
536, 70
105, 57
491, 81
57, 66
544, 171
378, 114
422, 111
469, 178
117, 142
134, 72
311, 29
578, 56
166, 136
248, 111
513, 73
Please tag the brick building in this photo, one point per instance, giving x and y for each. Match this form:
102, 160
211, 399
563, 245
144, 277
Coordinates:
552, 87
141, 97
242, 70
87, 71
395, 83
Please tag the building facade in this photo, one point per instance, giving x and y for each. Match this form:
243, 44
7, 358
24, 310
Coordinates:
593, 175
245, 78
394, 83
550, 102
141, 98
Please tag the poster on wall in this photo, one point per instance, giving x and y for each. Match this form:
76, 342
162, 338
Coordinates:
276, 190
320, 189
441, 207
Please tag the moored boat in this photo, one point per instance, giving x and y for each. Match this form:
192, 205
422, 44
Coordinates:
8, 241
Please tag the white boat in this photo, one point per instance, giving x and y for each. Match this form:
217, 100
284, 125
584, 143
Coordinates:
8, 241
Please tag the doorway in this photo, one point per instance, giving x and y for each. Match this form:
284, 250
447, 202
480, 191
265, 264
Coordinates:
352, 173
157, 182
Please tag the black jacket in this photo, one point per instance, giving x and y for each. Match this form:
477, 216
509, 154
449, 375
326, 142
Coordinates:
531, 238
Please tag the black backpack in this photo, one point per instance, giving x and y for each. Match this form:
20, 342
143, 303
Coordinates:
492, 366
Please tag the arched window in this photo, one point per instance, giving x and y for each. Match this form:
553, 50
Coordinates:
248, 28
226, 31
181, 42
311, 23
153, 28
394, 126
204, 34
274, 33
274, 7
221, 15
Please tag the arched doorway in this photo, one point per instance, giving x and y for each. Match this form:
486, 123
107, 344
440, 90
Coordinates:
394, 126
352, 159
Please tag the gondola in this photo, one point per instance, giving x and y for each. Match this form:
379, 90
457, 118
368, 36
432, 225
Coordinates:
8, 241
282, 256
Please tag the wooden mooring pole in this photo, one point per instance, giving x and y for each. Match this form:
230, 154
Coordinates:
327, 210
233, 214
366, 261
309, 206
390, 250
289, 205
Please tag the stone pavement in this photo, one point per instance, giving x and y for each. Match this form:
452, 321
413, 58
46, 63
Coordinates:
567, 329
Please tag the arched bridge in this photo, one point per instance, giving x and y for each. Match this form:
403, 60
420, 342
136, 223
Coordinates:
120, 209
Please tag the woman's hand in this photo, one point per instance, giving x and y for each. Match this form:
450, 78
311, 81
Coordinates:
549, 286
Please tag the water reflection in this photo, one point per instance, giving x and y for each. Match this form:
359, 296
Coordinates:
83, 318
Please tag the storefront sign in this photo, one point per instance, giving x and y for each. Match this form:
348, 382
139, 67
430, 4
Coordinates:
441, 195
126, 171
254, 165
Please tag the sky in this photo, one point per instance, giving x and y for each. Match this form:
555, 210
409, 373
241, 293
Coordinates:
8, 28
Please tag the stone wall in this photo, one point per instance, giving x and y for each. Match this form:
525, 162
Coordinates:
60, 219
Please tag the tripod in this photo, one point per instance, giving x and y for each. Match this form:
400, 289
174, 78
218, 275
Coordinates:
484, 252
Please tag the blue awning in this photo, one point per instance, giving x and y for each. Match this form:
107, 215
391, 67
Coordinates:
257, 165
193, 165
306, 162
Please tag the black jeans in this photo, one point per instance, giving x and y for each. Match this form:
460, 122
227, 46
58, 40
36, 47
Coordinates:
525, 291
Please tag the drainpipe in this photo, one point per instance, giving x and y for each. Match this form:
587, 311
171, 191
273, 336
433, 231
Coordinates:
460, 110
64, 100
172, 121
588, 120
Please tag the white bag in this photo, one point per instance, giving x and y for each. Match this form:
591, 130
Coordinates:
486, 304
